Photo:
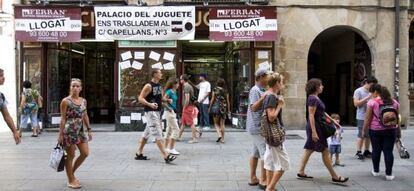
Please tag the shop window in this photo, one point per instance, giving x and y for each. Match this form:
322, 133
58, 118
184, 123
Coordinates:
32, 67
58, 77
135, 67
263, 58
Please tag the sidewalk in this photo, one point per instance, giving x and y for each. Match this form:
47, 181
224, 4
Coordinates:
203, 166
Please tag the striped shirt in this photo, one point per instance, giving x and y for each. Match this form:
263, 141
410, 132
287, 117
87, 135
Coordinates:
253, 118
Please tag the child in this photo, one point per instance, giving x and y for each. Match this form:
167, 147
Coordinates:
189, 118
335, 141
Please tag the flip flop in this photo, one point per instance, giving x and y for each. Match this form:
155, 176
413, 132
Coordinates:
340, 179
170, 158
263, 187
141, 157
305, 176
74, 187
253, 184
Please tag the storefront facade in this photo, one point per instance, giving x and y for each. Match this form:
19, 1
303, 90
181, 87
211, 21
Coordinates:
114, 70
339, 42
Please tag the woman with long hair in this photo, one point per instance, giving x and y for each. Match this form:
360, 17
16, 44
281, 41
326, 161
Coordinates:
382, 136
74, 121
172, 131
29, 106
316, 141
220, 108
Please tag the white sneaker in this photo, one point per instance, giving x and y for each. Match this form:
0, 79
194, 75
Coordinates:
389, 178
206, 128
174, 152
375, 173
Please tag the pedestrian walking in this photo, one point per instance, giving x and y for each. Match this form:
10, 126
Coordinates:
361, 98
220, 108
29, 106
382, 120
151, 97
203, 100
5, 112
74, 121
170, 109
276, 159
316, 141
254, 115
189, 110
334, 142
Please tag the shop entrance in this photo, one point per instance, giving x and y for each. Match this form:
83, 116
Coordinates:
93, 63
341, 58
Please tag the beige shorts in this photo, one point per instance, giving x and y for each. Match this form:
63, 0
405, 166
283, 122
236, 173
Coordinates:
172, 130
276, 158
153, 127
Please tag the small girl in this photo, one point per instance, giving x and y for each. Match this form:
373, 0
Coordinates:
189, 117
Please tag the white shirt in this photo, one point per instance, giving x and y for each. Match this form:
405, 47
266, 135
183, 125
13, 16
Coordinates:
205, 88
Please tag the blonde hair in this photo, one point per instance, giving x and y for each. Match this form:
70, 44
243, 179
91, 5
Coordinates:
76, 80
274, 78
335, 116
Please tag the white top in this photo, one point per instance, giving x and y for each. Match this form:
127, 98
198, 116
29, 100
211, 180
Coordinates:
205, 88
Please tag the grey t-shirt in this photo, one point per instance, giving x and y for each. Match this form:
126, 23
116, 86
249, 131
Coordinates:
254, 118
187, 89
359, 94
271, 102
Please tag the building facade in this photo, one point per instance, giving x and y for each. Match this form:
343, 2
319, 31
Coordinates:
337, 41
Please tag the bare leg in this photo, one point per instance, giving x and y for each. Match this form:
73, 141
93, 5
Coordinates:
306, 154
84, 152
332, 158
172, 144
253, 167
181, 132
217, 126
141, 145
167, 142
327, 161
275, 177
263, 177
193, 132
222, 126
161, 148
269, 176
69, 165
367, 144
359, 144
34, 131
337, 161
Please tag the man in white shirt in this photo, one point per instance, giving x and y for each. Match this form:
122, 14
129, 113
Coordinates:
203, 95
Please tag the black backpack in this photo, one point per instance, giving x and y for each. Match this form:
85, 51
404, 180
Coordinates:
388, 115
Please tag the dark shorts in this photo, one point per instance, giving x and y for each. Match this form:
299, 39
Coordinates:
360, 125
335, 149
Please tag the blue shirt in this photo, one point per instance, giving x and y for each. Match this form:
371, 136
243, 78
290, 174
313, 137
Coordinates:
171, 95
359, 94
254, 118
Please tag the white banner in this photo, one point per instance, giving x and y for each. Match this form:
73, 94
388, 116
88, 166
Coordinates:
145, 23
60, 24
253, 24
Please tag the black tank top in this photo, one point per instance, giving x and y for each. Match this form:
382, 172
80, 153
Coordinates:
154, 96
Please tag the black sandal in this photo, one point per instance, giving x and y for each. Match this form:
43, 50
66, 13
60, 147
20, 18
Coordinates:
263, 187
304, 176
340, 179
170, 158
218, 140
141, 157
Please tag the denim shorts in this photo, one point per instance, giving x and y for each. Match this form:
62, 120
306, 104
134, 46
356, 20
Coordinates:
360, 125
24, 119
335, 149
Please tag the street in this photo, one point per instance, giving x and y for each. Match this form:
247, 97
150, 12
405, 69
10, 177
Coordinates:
203, 166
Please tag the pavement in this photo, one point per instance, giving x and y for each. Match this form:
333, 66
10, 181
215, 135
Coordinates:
203, 166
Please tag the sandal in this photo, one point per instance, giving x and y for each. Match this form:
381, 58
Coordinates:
304, 176
253, 184
340, 179
141, 157
170, 158
218, 140
73, 187
33, 135
263, 187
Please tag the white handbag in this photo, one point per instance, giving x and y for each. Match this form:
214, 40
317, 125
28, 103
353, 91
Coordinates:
57, 158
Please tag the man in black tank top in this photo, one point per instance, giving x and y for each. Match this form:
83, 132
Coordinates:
151, 97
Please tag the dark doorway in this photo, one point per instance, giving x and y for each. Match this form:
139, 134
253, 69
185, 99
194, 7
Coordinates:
340, 57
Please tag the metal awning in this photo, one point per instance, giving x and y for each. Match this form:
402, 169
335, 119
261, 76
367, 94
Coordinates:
215, 2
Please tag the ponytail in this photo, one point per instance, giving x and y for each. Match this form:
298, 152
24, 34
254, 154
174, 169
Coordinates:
386, 95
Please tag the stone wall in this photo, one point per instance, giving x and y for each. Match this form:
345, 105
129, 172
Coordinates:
299, 26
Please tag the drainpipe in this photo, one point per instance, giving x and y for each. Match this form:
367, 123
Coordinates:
397, 49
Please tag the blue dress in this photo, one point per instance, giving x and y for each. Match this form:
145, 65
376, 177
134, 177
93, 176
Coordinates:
322, 143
